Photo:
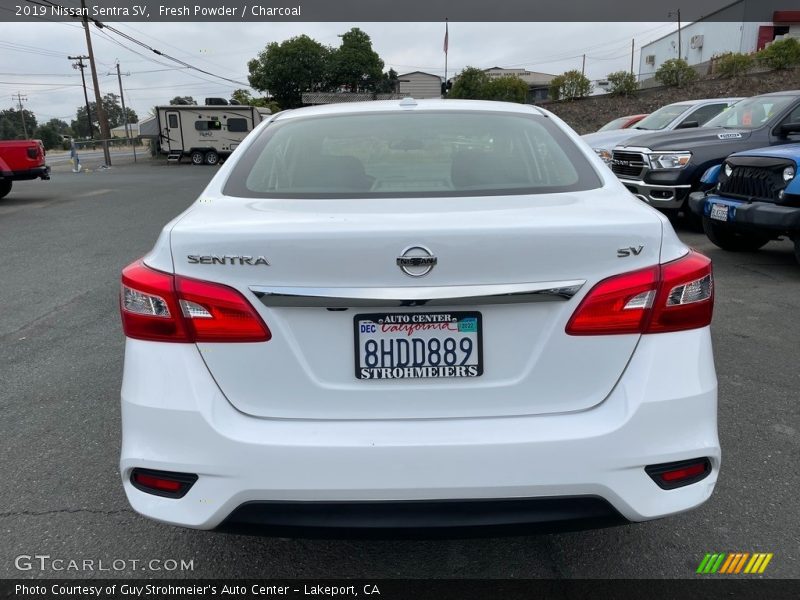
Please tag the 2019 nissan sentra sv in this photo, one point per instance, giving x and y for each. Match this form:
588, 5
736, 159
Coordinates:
417, 314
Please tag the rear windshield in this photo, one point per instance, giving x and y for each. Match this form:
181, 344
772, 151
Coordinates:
662, 117
751, 113
411, 154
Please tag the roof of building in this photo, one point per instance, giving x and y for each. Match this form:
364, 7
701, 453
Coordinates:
419, 73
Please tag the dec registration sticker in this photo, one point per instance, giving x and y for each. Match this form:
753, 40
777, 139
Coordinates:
418, 345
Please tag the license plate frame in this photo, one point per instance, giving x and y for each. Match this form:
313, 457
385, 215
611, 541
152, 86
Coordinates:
720, 212
467, 319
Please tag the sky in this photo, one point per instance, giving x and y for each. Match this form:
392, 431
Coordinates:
33, 56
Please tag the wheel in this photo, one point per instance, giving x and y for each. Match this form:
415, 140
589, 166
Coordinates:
797, 248
198, 158
212, 157
730, 240
5, 187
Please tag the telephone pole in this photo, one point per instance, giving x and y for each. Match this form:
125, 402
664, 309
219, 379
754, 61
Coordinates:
101, 113
81, 66
20, 98
125, 111
583, 65
677, 13
632, 50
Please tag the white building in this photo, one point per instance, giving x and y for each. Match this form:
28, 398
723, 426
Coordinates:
730, 29
538, 83
419, 85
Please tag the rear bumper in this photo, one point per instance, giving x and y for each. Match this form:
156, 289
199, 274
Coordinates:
42, 172
659, 196
255, 472
749, 215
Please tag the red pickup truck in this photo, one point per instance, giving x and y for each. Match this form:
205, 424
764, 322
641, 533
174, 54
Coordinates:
20, 160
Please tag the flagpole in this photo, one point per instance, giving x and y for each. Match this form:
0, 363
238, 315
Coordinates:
446, 41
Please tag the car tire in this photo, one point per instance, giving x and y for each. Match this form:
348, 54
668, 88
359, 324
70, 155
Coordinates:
212, 158
5, 187
198, 158
797, 249
730, 240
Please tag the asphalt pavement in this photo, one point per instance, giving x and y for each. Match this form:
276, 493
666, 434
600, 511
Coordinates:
62, 245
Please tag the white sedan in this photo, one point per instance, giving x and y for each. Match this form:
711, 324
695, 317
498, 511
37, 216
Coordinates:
389, 316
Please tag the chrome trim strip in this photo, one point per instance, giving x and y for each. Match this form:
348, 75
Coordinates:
546, 291
654, 186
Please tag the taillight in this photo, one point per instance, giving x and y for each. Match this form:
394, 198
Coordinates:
159, 306
675, 296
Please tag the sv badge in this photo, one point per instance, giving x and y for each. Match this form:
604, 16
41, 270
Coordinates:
629, 251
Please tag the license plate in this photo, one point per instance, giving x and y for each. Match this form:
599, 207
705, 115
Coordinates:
719, 212
418, 345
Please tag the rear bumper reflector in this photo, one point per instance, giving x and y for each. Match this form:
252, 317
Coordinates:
162, 483
669, 476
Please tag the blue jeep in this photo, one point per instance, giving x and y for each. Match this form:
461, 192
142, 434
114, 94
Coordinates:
751, 198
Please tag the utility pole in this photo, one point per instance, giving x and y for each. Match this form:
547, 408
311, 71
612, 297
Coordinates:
125, 112
20, 98
583, 65
101, 113
677, 13
81, 66
632, 51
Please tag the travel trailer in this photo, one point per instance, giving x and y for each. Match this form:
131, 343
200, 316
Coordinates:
204, 134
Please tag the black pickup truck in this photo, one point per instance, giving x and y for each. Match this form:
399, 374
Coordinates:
664, 168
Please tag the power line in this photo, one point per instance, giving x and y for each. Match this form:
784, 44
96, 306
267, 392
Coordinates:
133, 40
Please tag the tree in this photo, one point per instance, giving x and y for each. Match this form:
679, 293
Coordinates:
506, 89
675, 72
570, 85
388, 83
113, 111
288, 69
59, 126
781, 54
470, 84
49, 136
354, 65
11, 124
183, 101
245, 98
622, 83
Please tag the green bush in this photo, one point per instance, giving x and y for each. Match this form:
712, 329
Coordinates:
622, 83
783, 54
506, 89
675, 72
470, 84
570, 85
733, 64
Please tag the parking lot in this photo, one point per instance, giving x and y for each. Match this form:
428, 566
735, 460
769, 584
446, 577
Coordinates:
63, 243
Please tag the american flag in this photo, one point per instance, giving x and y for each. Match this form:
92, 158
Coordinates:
446, 36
